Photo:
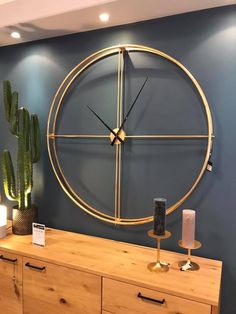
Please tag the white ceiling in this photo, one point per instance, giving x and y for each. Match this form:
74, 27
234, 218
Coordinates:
37, 19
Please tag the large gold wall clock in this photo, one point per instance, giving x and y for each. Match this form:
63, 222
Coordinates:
129, 123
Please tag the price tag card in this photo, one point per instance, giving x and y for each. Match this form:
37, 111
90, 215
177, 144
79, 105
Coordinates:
38, 234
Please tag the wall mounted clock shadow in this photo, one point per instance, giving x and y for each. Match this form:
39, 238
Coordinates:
127, 124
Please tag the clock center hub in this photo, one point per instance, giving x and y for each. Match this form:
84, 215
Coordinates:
121, 135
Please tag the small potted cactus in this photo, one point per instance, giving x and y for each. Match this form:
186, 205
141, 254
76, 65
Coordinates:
26, 130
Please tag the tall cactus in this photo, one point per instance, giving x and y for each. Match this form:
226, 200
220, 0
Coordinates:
26, 129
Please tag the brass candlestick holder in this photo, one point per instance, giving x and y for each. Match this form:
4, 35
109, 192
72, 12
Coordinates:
159, 266
189, 264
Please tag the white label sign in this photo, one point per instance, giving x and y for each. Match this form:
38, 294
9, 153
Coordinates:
38, 234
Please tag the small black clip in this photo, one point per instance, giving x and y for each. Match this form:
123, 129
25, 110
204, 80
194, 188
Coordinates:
209, 166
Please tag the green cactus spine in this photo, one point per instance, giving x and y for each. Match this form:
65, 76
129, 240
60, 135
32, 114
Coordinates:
27, 131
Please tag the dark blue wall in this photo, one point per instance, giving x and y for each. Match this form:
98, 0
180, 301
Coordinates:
205, 42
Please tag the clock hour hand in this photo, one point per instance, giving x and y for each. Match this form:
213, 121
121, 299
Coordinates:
106, 125
128, 113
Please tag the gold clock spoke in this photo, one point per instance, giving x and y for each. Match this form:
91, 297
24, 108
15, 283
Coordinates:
169, 136
52, 136
118, 184
118, 90
116, 177
120, 72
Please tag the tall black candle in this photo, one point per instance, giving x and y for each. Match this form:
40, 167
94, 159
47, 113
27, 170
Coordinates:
159, 216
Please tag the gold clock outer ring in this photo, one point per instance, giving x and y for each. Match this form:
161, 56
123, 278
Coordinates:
53, 151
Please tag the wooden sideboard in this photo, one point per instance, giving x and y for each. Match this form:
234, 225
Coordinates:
76, 273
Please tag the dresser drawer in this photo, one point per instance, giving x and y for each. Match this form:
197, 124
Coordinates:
120, 298
10, 283
50, 288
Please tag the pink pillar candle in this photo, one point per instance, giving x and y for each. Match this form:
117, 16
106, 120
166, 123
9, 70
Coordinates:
188, 228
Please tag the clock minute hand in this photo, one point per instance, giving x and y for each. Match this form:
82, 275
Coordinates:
128, 113
106, 125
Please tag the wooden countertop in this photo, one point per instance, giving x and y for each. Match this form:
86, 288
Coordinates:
122, 261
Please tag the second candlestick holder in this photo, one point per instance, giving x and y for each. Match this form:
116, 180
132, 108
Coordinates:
189, 264
159, 266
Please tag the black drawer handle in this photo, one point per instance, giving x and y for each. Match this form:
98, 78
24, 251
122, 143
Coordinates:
150, 299
35, 267
8, 259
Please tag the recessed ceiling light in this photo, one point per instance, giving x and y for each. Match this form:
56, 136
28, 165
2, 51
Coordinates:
104, 17
15, 35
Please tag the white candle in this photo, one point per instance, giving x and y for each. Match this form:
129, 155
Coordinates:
188, 228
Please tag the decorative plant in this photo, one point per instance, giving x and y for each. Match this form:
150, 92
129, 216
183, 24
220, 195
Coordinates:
26, 129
